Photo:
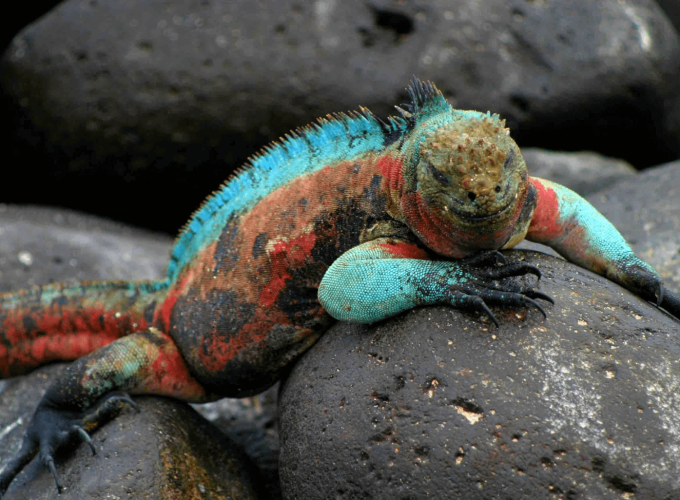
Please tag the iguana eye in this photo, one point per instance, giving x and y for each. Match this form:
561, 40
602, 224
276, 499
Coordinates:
509, 158
439, 176
498, 189
471, 196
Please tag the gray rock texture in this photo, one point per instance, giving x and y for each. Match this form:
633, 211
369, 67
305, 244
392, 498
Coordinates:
162, 100
252, 423
41, 245
440, 404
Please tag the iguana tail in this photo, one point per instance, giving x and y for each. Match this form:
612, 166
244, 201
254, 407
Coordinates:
67, 321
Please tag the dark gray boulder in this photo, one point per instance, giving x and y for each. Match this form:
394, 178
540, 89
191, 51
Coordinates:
41, 245
440, 404
252, 423
137, 110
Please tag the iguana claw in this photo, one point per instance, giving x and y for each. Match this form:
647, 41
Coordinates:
536, 305
539, 295
85, 437
489, 313
49, 463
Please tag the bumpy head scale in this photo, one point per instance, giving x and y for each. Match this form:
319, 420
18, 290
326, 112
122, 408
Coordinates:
469, 157
469, 167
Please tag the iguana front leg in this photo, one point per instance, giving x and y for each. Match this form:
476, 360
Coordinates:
577, 231
381, 278
82, 399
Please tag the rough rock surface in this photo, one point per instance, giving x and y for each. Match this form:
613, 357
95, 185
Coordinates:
165, 452
161, 101
252, 423
439, 404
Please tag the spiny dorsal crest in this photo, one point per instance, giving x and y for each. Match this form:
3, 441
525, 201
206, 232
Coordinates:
426, 101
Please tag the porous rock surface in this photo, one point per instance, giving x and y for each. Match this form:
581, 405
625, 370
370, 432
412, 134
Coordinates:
436, 403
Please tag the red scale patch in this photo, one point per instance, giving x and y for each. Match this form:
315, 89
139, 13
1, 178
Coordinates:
405, 250
285, 256
545, 224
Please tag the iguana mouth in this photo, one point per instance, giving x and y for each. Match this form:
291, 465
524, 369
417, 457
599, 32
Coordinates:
479, 218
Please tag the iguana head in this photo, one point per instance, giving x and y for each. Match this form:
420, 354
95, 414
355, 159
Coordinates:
468, 186
470, 171
471, 185
465, 183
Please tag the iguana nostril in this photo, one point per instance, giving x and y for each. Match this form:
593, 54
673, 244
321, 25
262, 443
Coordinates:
471, 196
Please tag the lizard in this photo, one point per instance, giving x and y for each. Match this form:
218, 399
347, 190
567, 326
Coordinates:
351, 218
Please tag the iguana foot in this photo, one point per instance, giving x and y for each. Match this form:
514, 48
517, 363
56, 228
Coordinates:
638, 277
477, 301
492, 285
51, 428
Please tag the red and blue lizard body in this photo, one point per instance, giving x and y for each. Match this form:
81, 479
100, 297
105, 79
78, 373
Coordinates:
351, 218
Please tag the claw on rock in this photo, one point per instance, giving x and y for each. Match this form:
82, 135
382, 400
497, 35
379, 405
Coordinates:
539, 295
85, 437
500, 257
536, 305
124, 397
49, 463
534, 270
486, 309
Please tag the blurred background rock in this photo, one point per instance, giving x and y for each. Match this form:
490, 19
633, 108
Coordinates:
136, 110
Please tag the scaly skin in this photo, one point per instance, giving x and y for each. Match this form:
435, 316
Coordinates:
351, 218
